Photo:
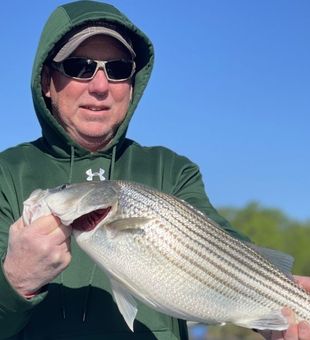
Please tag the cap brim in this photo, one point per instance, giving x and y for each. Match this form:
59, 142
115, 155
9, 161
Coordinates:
76, 40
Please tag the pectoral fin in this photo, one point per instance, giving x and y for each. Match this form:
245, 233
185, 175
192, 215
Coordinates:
125, 303
129, 225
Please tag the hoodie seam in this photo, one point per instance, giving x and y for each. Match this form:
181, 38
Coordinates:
66, 13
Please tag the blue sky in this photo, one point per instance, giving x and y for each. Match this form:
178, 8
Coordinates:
230, 90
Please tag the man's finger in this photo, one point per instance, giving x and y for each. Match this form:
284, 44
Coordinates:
61, 233
291, 333
45, 224
304, 330
289, 315
303, 281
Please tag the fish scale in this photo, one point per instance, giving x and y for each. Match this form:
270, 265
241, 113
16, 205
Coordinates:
162, 251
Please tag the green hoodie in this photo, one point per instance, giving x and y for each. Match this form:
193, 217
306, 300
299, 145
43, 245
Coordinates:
78, 303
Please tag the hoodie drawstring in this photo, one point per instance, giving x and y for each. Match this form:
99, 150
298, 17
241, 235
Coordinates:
88, 288
61, 289
111, 175
62, 297
71, 164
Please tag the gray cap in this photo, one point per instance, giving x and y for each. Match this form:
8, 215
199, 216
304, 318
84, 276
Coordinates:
75, 41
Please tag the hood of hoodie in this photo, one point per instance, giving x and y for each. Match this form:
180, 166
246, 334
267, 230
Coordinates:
62, 21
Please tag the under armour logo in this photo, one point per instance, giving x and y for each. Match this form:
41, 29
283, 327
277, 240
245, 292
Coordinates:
90, 174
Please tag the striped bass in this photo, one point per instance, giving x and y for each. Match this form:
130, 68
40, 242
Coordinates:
162, 251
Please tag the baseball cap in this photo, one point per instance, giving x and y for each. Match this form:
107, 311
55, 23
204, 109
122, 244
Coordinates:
75, 41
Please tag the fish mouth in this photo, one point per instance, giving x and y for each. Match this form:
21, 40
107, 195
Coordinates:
90, 220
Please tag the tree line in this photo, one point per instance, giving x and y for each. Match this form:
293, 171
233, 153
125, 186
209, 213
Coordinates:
271, 228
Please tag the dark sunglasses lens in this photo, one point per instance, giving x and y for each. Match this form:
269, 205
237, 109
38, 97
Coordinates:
119, 69
79, 68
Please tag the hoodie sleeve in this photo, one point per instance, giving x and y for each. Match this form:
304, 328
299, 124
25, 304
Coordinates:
189, 186
15, 311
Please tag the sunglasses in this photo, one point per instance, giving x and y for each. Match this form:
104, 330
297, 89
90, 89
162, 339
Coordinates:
86, 69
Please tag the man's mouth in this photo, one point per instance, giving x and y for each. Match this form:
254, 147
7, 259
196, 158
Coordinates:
89, 221
95, 108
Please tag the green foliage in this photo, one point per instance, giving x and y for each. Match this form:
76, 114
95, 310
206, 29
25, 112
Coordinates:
271, 228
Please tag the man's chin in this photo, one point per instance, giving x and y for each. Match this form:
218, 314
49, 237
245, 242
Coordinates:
93, 140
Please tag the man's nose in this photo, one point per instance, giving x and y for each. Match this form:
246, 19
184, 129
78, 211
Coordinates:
99, 84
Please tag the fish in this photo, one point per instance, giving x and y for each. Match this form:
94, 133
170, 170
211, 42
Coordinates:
160, 250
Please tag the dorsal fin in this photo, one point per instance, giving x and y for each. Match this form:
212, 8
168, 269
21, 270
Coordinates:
281, 260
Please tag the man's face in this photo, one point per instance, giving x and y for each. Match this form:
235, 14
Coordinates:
90, 111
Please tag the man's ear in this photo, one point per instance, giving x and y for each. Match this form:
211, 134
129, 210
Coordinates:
46, 81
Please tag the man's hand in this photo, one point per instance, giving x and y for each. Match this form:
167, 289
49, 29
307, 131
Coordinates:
36, 253
300, 331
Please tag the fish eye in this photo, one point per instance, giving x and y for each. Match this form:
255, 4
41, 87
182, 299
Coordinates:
57, 189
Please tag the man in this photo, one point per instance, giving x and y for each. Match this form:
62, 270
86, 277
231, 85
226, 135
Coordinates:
91, 68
